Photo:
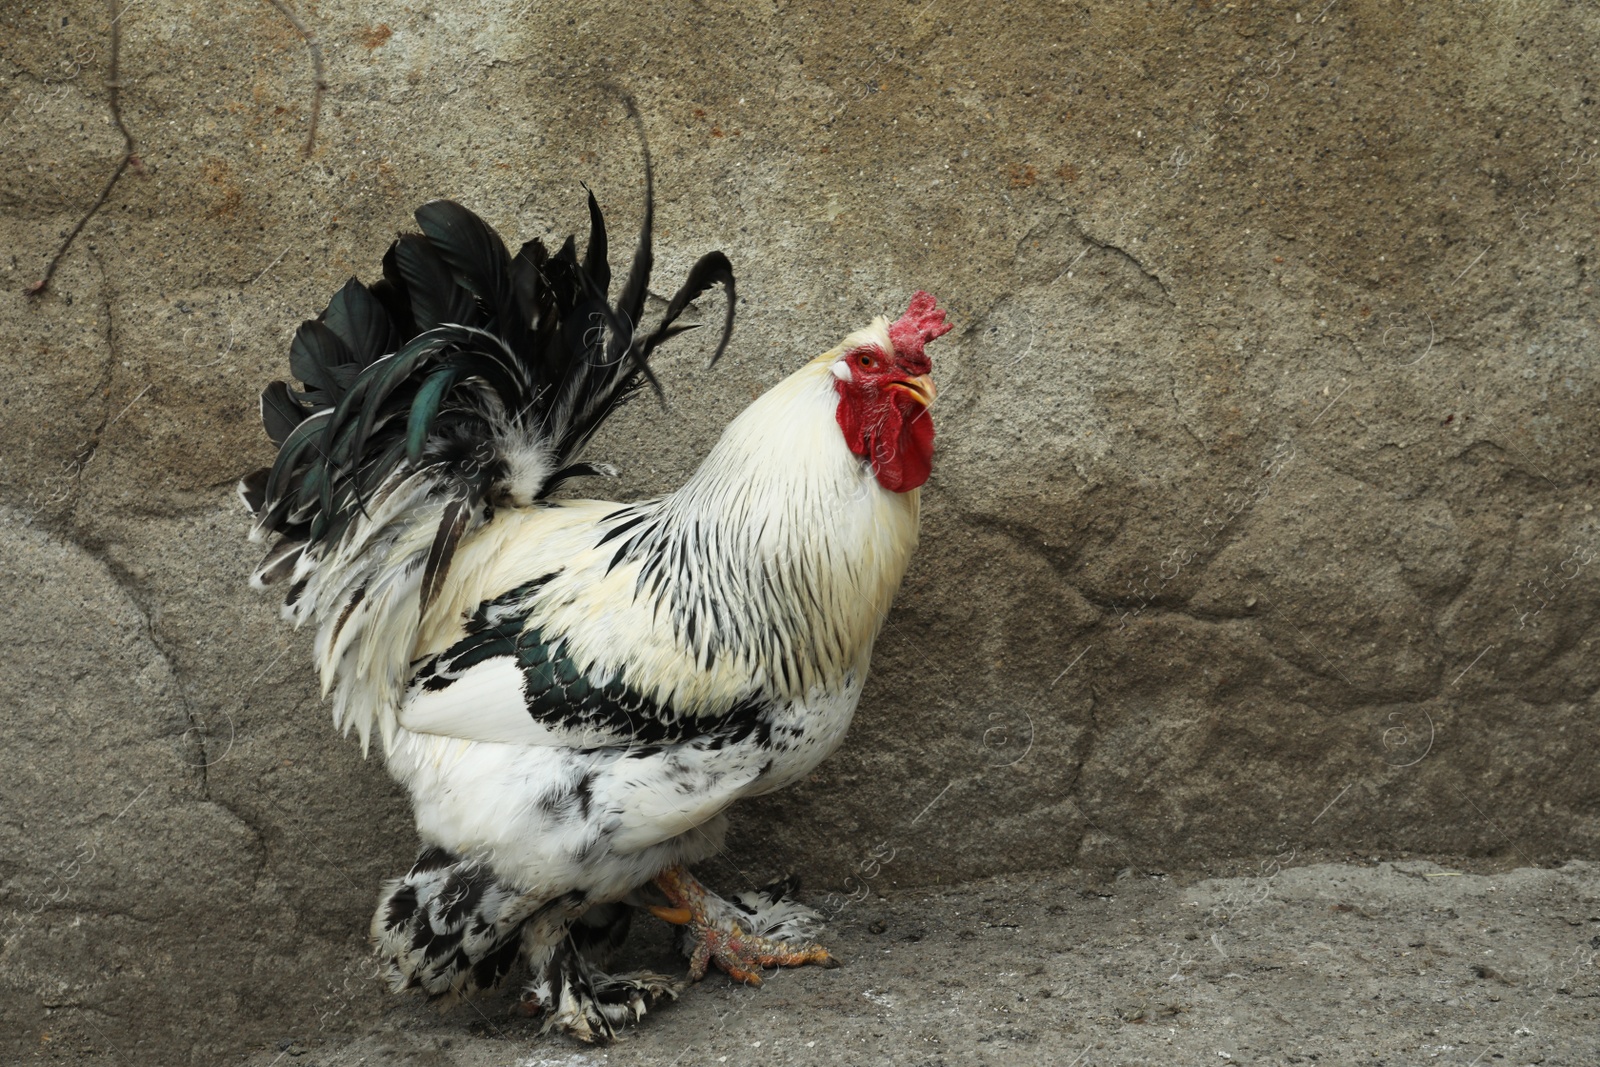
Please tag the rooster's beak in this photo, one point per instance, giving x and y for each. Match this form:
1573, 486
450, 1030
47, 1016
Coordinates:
921, 389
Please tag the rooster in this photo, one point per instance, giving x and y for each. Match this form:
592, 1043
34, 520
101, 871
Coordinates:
573, 692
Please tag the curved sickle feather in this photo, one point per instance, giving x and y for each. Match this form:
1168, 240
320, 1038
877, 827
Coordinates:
630, 304
709, 269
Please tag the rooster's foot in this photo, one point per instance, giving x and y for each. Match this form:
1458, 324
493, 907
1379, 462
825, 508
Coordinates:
589, 1005
758, 930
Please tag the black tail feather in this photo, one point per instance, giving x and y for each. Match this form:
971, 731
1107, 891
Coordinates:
460, 356
363, 321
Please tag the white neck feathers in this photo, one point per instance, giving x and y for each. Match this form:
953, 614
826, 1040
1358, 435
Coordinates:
783, 528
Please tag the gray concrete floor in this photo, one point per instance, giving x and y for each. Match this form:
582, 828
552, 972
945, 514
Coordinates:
1394, 963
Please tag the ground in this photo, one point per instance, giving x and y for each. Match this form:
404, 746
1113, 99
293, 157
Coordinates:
1410, 962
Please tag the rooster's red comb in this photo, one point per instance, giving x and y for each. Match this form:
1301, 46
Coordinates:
922, 322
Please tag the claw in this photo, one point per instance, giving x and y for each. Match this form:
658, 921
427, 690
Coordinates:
675, 916
590, 1006
736, 952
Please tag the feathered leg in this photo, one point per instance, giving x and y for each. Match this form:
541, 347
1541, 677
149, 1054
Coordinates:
775, 911
760, 929
580, 999
448, 926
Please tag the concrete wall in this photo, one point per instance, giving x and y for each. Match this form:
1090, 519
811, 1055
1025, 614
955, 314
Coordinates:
1263, 513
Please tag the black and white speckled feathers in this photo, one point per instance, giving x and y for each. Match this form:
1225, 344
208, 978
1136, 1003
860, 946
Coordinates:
449, 927
464, 380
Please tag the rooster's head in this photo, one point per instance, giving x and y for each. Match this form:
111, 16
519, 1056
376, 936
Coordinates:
885, 389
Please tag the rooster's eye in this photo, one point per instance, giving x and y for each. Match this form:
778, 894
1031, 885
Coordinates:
865, 359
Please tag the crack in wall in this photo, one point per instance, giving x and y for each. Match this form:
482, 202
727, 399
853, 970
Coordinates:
196, 737
74, 529
66, 496
1109, 246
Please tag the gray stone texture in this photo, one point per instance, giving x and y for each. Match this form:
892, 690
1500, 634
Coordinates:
1396, 963
1262, 520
